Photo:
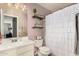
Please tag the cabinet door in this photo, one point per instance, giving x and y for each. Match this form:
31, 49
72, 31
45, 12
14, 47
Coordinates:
25, 49
28, 53
10, 52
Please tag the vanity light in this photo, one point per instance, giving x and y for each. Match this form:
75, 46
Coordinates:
17, 5
9, 4
24, 7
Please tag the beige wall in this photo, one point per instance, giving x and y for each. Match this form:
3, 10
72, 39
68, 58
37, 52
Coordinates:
25, 19
21, 18
32, 33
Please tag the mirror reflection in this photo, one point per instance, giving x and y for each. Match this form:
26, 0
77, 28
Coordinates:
13, 21
10, 26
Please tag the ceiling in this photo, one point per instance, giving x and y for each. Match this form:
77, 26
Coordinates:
55, 6
40, 9
44, 8
48, 8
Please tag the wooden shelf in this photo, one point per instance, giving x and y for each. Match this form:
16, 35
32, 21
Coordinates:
40, 27
38, 17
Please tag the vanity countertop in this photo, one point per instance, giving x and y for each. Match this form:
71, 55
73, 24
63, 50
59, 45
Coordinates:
6, 46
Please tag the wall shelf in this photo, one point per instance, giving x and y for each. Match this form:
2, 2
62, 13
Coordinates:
38, 17
40, 27
37, 25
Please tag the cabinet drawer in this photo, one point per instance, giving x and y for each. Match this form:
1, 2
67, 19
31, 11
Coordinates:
11, 52
28, 53
23, 49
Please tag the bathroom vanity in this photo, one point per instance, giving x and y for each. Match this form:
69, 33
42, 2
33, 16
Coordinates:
13, 29
19, 48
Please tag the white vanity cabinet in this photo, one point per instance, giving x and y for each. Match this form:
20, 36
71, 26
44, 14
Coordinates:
21, 50
10, 52
26, 50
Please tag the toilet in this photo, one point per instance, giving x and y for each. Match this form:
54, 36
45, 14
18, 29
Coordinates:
42, 50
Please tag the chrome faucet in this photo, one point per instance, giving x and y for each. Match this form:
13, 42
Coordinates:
14, 40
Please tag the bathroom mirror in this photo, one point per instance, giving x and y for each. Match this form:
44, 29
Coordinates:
13, 25
9, 26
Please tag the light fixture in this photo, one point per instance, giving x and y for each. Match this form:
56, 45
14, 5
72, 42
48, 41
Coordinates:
17, 5
24, 7
9, 4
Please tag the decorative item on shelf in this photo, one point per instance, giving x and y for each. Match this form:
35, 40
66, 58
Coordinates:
38, 26
35, 11
36, 16
39, 37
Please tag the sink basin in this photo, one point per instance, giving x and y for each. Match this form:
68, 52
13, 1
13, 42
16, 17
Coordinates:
10, 45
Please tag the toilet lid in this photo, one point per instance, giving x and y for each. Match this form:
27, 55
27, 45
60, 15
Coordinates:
44, 49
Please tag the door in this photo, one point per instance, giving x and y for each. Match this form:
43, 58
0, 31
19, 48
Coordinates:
77, 34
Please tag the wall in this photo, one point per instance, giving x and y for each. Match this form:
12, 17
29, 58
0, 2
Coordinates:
25, 18
61, 31
32, 33
21, 18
